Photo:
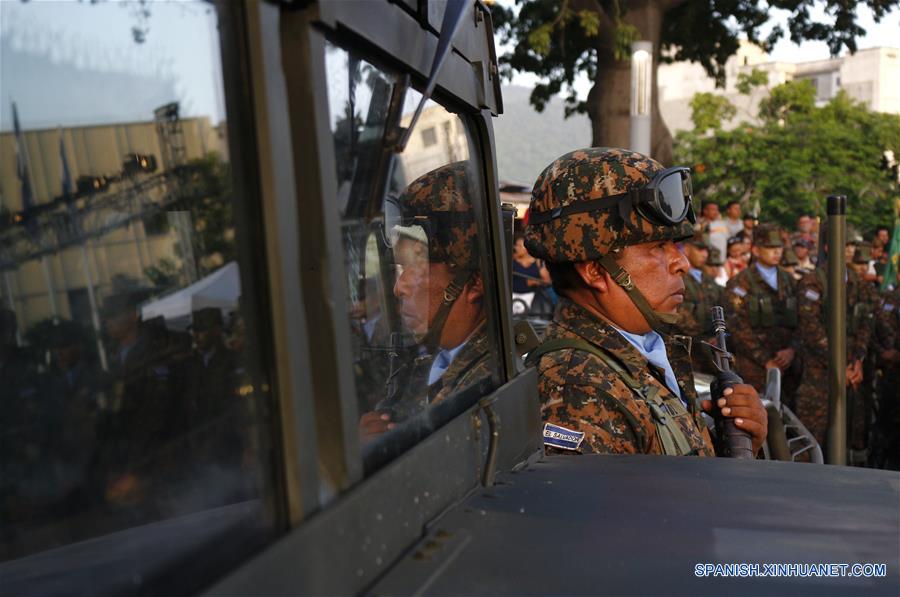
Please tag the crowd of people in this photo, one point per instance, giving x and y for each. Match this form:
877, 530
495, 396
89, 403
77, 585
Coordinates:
773, 285
162, 430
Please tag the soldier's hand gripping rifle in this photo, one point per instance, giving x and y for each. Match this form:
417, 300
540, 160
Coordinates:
731, 441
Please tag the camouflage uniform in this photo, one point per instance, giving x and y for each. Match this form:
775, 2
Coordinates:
579, 391
694, 319
887, 337
606, 394
811, 401
471, 365
761, 320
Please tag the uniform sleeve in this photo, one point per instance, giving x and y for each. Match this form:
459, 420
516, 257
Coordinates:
810, 331
739, 325
580, 397
864, 334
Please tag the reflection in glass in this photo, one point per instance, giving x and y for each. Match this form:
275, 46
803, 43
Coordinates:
131, 416
412, 258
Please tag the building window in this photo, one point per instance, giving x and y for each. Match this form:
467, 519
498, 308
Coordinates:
429, 137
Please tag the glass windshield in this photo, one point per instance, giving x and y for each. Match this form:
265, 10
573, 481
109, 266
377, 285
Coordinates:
413, 258
135, 417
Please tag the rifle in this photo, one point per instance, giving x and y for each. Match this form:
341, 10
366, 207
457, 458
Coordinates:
731, 441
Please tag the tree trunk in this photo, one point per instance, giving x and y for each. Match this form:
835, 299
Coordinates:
609, 101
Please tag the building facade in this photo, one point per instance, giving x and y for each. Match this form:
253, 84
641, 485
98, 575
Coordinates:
870, 76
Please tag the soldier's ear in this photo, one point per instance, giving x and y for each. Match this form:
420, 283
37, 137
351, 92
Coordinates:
593, 275
474, 290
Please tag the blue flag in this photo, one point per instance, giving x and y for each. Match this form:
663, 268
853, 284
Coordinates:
22, 163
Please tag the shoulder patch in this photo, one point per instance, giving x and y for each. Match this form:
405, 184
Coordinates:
560, 437
887, 307
811, 294
739, 291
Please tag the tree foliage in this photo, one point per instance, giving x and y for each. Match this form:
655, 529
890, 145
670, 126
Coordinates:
796, 156
559, 39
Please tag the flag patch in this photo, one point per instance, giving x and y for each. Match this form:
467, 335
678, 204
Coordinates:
560, 437
888, 307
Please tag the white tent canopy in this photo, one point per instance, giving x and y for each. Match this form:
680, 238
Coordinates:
220, 289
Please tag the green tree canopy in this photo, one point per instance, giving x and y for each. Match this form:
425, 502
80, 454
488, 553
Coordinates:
558, 40
796, 156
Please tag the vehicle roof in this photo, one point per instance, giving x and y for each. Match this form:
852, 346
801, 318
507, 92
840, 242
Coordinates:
639, 524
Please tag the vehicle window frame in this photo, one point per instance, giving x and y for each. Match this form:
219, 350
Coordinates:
301, 561
491, 251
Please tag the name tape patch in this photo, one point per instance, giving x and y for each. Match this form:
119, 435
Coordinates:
811, 294
739, 291
560, 437
888, 307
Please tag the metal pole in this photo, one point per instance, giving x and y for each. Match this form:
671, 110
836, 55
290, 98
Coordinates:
92, 298
837, 330
641, 95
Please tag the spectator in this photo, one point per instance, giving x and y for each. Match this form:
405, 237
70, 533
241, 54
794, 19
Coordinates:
738, 256
733, 218
883, 234
802, 249
806, 229
749, 223
879, 260
528, 273
712, 223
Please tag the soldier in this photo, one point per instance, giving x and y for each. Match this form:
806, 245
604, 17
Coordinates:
701, 292
811, 404
440, 293
613, 379
887, 342
147, 369
761, 303
713, 268
790, 263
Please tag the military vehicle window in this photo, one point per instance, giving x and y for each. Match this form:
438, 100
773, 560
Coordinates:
134, 433
412, 258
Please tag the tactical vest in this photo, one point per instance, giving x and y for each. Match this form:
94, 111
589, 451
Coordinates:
663, 410
767, 311
861, 310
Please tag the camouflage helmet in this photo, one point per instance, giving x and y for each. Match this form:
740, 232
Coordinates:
584, 175
767, 235
700, 240
789, 258
715, 257
439, 203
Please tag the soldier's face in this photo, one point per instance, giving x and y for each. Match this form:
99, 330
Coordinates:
769, 256
656, 269
696, 256
419, 286
801, 251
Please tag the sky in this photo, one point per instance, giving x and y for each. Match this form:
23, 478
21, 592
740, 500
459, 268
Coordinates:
67, 63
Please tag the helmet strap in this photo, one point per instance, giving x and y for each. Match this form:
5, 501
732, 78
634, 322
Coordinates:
451, 293
660, 322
